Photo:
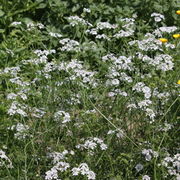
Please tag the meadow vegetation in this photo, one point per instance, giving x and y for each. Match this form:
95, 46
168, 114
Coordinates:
89, 89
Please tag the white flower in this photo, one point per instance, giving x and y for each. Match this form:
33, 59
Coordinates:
123, 33
115, 82
15, 23
168, 29
51, 174
84, 170
146, 177
157, 17
86, 10
75, 171
105, 25
57, 35
91, 175
139, 167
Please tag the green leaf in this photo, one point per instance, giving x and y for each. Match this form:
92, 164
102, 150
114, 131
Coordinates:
1, 13
41, 6
2, 30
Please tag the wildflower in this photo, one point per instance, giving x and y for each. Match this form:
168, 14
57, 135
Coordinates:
146, 177
176, 36
139, 167
178, 12
163, 40
15, 23
157, 17
178, 82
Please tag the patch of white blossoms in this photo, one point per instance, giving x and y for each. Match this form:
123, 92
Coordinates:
173, 165
157, 17
118, 132
141, 87
76, 20
149, 43
62, 115
4, 160
159, 62
56, 35
21, 131
84, 170
91, 144
149, 154
59, 164
69, 45
17, 108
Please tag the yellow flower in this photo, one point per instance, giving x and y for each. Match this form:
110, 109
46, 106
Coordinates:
178, 82
163, 40
176, 35
178, 12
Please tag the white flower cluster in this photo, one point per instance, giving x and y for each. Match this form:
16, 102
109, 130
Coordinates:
22, 131
15, 23
83, 169
42, 57
149, 154
119, 133
160, 62
120, 63
58, 156
123, 33
102, 36
76, 20
64, 115
160, 31
115, 75
157, 17
163, 62
127, 20
5, 161
100, 26
128, 28
19, 81
56, 35
146, 177
13, 71
117, 92
91, 144
168, 29
69, 45
144, 105
17, 108
105, 25
150, 43
92, 31
59, 164
86, 10
37, 113
128, 23
165, 127
173, 165
53, 172
40, 53
32, 26
14, 96
141, 87
139, 167
76, 69
93, 111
